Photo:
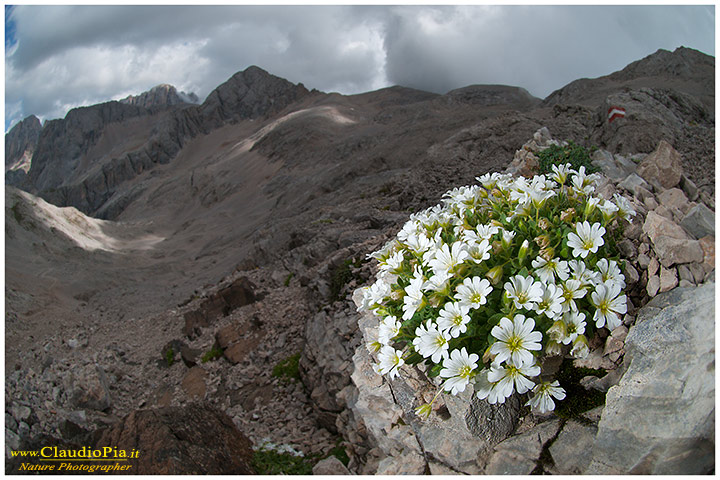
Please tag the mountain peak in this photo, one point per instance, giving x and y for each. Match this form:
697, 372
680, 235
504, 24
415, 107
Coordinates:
20, 143
160, 95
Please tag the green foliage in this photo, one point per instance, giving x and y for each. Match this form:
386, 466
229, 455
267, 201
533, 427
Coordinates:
578, 400
288, 368
270, 462
338, 451
213, 354
288, 278
341, 276
575, 155
170, 356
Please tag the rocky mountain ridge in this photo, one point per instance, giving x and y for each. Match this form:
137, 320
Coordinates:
160, 96
278, 192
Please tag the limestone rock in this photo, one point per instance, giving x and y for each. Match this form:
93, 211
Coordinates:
633, 183
663, 167
330, 466
571, 449
192, 440
708, 247
672, 251
660, 418
668, 279
674, 198
519, 454
656, 225
699, 221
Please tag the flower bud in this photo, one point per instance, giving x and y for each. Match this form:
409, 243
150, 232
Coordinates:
557, 332
542, 241
544, 223
424, 410
580, 347
522, 253
553, 349
495, 274
547, 253
487, 356
567, 215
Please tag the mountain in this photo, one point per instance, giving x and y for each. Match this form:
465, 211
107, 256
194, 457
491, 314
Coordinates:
160, 96
136, 229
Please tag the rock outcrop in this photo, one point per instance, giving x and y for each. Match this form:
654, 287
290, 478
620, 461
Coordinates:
20, 144
192, 440
660, 418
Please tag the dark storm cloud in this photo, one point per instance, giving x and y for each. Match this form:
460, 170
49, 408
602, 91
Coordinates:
66, 56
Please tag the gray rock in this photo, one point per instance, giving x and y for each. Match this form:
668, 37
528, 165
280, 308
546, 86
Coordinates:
633, 182
699, 221
631, 274
690, 189
409, 463
330, 466
653, 285
606, 163
12, 440
570, 450
21, 412
519, 454
660, 418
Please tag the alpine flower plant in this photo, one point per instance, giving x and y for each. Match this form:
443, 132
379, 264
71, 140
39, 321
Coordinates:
501, 275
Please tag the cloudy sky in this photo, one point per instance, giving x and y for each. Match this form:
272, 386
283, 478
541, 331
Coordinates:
60, 57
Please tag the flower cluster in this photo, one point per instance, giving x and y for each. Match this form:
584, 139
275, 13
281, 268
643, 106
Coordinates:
501, 274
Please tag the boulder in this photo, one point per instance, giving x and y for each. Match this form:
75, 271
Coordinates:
672, 251
660, 418
699, 221
663, 167
674, 198
330, 466
632, 182
656, 225
196, 439
571, 449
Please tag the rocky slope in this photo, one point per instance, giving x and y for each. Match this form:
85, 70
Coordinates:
20, 143
287, 188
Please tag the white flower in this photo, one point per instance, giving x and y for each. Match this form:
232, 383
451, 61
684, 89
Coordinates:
458, 369
525, 292
583, 184
542, 401
411, 227
487, 231
439, 281
473, 292
511, 375
607, 208
419, 243
608, 303
454, 317
393, 262
587, 240
571, 290
375, 294
431, 342
574, 326
389, 328
390, 360
551, 301
507, 238
515, 340
583, 274
479, 250
560, 173
610, 272
446, 257
547, 269
413, 296
625, 209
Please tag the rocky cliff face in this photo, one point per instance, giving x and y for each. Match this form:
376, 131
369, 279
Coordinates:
161, 96
20, 143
